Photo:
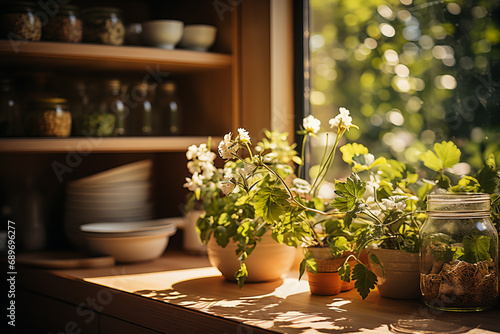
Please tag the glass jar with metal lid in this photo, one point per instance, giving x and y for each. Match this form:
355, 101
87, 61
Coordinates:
103, 25
65, 26
20, 22
459, 253
48, 117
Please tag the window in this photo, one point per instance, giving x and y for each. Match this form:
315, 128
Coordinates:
411, 72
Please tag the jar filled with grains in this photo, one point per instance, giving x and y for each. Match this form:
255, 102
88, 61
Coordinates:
20, 22
103, 25
48, 117
65, 26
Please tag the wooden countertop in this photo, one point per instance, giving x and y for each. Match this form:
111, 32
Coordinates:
184, 292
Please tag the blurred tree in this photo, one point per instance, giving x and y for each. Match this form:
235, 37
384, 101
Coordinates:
411, 72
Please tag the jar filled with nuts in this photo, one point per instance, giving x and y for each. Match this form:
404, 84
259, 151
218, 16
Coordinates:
20, 22
103, 25
65, 26
48, 117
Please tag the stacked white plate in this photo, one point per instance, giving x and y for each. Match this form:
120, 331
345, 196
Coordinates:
121, 194
129, 241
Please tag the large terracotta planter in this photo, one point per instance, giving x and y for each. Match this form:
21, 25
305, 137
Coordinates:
269, 260
327, 280
402, 276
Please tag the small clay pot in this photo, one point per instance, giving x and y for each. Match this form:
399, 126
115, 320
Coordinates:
325, 284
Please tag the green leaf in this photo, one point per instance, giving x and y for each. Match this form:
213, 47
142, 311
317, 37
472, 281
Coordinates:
476, 248
348, 192
349, 151
314, 172
271, 203
339, 245
375, 260
302, 268
365, 279
443, 181
345, 271
431, 160
241, 275
446, 155
488, 177
466, 184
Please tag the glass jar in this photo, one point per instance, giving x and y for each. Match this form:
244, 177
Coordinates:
103, 25
166, 110
114, 104
459, 253
10, 118
98, 119
19, 21
141, 120
65, 26
48, 117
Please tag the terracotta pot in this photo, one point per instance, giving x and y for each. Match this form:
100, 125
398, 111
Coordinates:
402, 276
326, 264
269, 260
325, 284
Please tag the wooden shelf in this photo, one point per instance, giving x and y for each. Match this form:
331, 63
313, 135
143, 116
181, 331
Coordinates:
100, 145
93, 57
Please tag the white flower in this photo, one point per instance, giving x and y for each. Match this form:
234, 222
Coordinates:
243, 136
192, 152
311, 124
194, 183
394, 203
342, 121
226, 149
373, 183
300, 186
208, 169
327, 191
226, 186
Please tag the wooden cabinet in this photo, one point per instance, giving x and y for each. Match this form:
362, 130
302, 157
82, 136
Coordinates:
244, 81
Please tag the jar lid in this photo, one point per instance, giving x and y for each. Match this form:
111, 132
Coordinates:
458, 203
168, 86
101, 10
48, 102
68, 9
113, 84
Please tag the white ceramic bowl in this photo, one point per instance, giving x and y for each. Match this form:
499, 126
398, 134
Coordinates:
132, 243
162, 33
199, 37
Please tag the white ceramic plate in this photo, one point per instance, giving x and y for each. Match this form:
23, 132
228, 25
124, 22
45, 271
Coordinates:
127, 227
136, 171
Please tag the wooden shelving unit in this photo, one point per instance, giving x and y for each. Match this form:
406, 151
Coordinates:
101, 145
48, 55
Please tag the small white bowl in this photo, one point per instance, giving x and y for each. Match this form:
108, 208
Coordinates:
162, 33
128, 242
199, 37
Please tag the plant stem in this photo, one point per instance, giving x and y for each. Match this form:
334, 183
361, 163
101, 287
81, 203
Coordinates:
302, 153
292, 197
326, 166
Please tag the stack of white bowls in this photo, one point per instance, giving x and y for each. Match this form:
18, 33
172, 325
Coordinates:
121, 194
129, 241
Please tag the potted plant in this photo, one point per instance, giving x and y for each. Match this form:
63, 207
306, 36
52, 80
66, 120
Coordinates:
389, 219
298, 214
230, 223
